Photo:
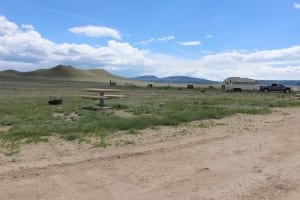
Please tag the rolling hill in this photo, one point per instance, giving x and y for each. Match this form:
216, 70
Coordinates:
63, 72
70, 73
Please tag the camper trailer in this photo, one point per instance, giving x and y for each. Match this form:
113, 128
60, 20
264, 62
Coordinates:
239, 84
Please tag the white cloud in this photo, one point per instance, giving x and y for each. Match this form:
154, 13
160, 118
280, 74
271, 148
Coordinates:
160, 39
145, 42
257, 65
209, 36
7, 27
96, 31
274, 64
190, 43
27, 27
297, 5
167, 38
23, 48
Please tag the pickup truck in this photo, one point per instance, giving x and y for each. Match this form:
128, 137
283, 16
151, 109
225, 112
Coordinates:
275, 87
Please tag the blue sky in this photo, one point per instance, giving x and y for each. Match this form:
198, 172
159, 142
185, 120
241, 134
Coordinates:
203, 38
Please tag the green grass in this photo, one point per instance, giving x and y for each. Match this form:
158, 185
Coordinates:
32, 120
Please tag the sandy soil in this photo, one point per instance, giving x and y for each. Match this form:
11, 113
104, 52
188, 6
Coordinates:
240, 157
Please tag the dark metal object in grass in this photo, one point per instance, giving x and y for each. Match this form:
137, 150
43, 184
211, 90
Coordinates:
190, 86
236, 89
55, 101
112, 83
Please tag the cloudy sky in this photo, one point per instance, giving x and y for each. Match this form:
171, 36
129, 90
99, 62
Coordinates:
210, 39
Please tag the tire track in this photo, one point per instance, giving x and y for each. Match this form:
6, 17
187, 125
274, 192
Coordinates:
50, 169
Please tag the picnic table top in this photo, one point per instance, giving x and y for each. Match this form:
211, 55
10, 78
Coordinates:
102, 90
101, 97
114, 95
93, 97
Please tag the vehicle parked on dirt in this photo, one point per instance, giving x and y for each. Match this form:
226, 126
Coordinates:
275, 87
239, 84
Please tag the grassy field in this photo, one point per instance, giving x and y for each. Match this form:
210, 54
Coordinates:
28, 118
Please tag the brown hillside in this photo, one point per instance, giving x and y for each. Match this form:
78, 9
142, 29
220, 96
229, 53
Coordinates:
63, 72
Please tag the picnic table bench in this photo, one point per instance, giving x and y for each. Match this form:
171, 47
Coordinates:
102, 95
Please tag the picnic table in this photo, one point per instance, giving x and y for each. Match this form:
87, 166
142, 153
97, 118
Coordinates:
101, 95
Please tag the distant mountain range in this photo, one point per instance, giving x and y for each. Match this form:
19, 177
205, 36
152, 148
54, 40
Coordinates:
174, 79
70, 73
192, 80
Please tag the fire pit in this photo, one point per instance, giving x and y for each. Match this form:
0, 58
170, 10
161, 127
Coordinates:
55, 101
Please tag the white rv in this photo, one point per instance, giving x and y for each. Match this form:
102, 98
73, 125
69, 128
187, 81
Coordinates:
239, 84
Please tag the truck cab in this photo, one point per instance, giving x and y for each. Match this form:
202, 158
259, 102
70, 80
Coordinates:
275, 87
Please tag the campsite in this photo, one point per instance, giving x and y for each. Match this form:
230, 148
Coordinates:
149, 100
199, 129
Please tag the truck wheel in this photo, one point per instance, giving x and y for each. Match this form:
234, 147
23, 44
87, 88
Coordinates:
287, 91
266, 90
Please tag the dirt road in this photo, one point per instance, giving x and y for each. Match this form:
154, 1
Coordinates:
241, 157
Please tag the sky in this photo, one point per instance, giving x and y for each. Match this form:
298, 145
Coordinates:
209, 39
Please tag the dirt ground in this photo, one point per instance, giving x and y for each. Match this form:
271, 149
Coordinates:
240, 157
